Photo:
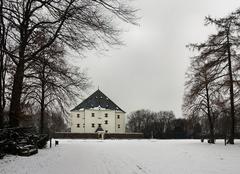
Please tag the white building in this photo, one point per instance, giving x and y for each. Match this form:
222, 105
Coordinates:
97, 111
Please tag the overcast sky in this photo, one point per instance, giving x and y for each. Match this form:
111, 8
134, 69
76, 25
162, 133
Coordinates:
149, 71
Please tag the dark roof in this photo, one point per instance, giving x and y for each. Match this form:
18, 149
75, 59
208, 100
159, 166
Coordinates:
99, 129
97, 99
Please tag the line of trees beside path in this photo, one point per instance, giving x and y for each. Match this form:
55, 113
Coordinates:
213, 85
36, 79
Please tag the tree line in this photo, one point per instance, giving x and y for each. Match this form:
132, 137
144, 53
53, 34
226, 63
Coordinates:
35, 35
162, 125
212, 87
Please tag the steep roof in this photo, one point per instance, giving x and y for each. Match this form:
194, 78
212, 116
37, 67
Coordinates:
99, 129
97, 100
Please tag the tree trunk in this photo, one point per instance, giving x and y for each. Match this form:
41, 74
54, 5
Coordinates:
2, 67
42, 111
43, 84
231, 92
2, 96
1, 118
15, 106
42, 118
15, 109
210, 121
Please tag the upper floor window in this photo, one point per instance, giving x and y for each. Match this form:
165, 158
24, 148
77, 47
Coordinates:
93, 114
106, 115
106, 122
118, 116
78, 125
78, 115
99, 125
118, 125
93, 125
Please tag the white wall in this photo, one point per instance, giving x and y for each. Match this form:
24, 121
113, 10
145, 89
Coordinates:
87, 119
120, 121
75, 120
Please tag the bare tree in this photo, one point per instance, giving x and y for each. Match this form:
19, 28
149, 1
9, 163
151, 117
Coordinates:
78, 24
4, 28
152, 124
51, 84
222, 48
202, 90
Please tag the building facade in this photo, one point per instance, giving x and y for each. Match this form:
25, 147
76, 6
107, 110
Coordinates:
97, 111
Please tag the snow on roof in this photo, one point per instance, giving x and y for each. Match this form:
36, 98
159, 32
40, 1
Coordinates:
98, 101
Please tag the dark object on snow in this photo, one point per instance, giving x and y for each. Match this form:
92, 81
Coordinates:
27, 150
228, 141
42, 141
207, 136
56, 142
211, 141
225, 140
2, 153
21, 141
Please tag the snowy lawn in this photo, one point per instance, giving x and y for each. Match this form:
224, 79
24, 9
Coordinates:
128, 157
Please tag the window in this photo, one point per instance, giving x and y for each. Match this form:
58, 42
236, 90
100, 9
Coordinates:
93, 125
99, 125
106, 115
78, 125
118, 125
93, 114
106, 131
118, 116
106, 122
78, 115
83, 125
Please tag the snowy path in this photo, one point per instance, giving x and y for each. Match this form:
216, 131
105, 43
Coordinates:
128, 157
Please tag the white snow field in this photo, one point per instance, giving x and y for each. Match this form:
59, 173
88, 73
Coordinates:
128, 157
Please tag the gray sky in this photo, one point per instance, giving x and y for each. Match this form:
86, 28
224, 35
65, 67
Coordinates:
149, 72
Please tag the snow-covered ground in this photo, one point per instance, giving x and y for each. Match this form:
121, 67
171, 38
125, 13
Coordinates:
128, 157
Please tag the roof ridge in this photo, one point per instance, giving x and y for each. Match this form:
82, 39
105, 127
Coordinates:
96, 99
